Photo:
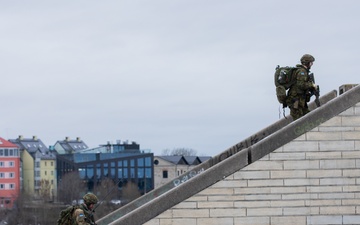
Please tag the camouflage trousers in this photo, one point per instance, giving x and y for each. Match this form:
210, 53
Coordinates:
299, 112
298, 108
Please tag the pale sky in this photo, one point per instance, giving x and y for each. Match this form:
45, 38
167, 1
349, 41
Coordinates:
164, 73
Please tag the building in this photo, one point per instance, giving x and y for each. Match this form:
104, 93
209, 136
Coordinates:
68, 146
38, 167
121, 162
167, 168
9, 173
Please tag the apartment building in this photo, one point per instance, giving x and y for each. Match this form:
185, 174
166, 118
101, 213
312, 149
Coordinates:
9, 173
38, 167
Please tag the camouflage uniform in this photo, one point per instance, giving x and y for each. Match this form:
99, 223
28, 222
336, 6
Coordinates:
79, 214
83, 216
298, 94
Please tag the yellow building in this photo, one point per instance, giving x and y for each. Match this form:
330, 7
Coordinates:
48, 187
27, 172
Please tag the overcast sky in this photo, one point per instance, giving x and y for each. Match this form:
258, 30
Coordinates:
164, 73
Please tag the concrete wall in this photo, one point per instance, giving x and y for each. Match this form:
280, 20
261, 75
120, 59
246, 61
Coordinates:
312, 180
227, 163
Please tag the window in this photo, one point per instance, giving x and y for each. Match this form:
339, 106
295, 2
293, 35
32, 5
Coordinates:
2, 186
45, 172
12, 186
52, 163
2, 164
125, 172
148, 161
11, 164
82, 172
165, 174
12, 175
140, 162
120, 173
2, 175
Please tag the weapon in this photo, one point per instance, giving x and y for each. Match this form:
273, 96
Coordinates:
97, 205
313, 91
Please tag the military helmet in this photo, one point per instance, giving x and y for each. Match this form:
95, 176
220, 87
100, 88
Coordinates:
90, 198
307, 58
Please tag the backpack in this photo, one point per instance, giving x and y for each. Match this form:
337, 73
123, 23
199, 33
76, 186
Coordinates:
284, 78
66, 215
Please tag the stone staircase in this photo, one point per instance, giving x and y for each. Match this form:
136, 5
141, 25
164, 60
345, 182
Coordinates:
304, 172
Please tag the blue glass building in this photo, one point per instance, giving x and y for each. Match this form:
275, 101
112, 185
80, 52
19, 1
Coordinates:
117, 162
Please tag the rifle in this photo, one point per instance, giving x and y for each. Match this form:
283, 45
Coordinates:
313, 91
97, 205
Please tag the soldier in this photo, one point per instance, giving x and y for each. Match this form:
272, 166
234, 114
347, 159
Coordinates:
297, 96
80, 214
85, 212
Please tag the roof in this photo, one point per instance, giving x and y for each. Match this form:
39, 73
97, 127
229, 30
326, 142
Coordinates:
185, 160
7, 144
33, 145
71, 146
175, 159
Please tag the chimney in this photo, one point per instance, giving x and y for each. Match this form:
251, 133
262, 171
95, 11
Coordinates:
34, 138
78, 139
21, 137
67, 139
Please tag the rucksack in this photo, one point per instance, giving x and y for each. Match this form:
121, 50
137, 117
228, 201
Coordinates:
66, 215
284, 78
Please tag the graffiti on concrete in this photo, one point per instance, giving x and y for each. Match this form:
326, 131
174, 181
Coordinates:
307, 126
187, 177
238, 147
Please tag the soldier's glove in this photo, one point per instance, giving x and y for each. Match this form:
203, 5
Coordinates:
314, 86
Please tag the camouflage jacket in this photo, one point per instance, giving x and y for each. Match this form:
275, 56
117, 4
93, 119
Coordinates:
88, 216
302, 84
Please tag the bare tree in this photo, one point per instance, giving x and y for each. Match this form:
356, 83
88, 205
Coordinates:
130, 191
166, 152
107, 189
70, 187
45, 188
28, 211
180, 151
